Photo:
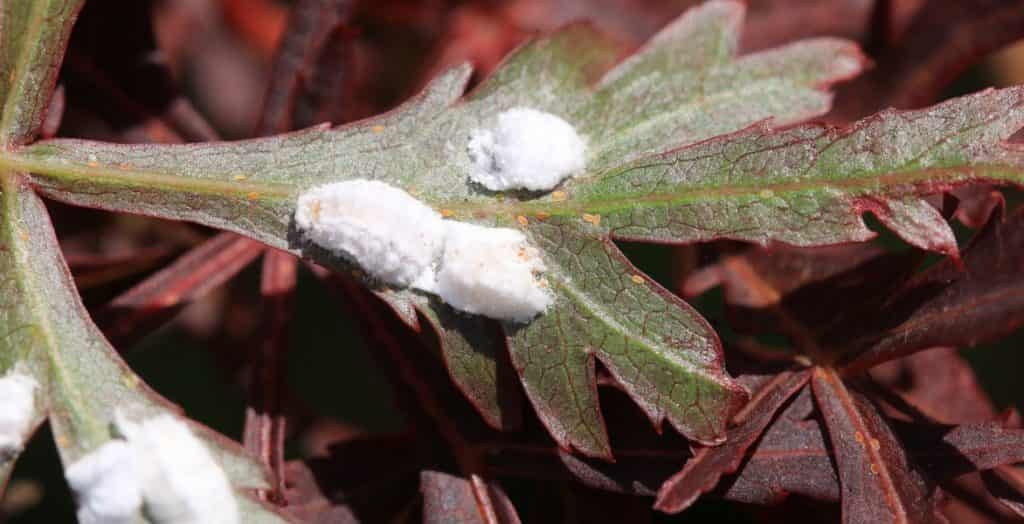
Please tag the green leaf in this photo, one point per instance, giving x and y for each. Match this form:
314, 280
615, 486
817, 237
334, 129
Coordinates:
656, 346
809, 185
83, 381
45, 330
32, 40
685, 86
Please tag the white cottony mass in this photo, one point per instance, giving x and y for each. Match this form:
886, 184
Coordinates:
399, 240
180, 481
17, 407
492, 272
161, 469
526, 149
106, 485
387, 231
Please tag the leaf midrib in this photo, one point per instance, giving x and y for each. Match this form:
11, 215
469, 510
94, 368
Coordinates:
89, 430
13, 101
259, 191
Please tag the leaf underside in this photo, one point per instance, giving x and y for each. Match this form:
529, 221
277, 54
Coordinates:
45, 331
683, 147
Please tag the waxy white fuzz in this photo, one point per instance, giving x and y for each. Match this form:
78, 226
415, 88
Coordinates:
159, 468
398, 239
526, 149
17, 406
387, 231
106, 485
491, 272
180, 481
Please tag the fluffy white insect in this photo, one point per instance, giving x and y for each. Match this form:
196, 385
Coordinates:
388, 232
17, 398
527, 149
491, 272
179, 479
106, 485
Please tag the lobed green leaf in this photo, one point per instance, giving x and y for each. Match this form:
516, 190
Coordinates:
684, 146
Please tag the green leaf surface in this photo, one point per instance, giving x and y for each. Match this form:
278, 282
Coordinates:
83, 381
685, 86
33, 35
45, 330
698, 161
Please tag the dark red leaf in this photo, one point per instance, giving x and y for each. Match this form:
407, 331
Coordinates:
1007, 485
947, 451
775, 22
878, 482
792, 457
976, 204
941, 41
361, 480
761, 277
634, 472
114, 74
939, 383
310, 59
952, 306
447, 498
708, 464
265, 423
191, 276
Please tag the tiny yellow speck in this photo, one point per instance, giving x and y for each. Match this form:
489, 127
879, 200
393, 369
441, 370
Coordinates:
253, 196
637, 279
543, 215
131, 380
377, 129
875, 444
543, 283
523, 221
859, 437
315, 209
559, 196
766, 193
593, 219
24, 235
447, 213
874, 469
62, 441
239, 177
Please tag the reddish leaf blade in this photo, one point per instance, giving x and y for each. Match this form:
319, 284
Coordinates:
1007, 485
949, 305
634, 472
878, 482
191, 276
792, 457
947, 451
312, 36
939, 383
761, 277
118, 85
358, 481
708, 464
265, 427
448, 498
941, 41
